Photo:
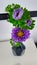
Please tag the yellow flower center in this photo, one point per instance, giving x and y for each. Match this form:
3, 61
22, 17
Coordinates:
20, 33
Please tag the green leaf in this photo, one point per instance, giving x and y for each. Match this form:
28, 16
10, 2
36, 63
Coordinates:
8, 8
12, 44
18, 44
16, 6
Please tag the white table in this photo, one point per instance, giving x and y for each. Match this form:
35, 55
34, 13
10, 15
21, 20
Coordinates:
28, 58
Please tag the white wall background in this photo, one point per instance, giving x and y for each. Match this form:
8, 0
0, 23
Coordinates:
5, 27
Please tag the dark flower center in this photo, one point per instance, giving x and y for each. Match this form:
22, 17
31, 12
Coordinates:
20, 33
27, 21
17, 14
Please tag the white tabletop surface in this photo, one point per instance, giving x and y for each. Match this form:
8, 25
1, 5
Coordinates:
28, 58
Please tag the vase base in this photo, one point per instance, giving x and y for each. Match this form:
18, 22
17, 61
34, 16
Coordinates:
18, 51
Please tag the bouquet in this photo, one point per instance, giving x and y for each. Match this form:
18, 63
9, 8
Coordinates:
21, 19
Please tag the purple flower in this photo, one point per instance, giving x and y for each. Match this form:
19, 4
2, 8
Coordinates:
28, 22
19, 35
17, 13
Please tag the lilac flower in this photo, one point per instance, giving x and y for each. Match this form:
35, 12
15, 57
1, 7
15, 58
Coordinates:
19, 35
28, 22
17, 13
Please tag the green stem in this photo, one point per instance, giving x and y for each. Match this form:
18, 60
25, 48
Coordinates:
17, 44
